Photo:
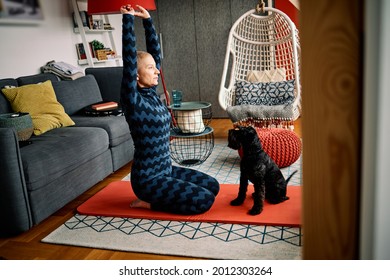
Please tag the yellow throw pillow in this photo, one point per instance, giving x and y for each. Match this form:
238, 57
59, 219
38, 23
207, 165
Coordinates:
40, 101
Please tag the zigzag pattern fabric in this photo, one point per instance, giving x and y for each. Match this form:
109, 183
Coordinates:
153, 178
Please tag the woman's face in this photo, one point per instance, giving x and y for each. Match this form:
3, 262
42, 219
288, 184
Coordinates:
147, 72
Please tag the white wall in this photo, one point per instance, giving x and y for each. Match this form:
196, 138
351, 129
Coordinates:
25, 48
375, 222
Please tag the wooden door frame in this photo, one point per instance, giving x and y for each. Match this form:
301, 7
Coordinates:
332, 90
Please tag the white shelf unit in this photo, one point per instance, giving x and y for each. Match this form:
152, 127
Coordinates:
90, 60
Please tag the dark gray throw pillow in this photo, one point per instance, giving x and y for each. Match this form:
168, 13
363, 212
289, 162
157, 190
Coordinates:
241, 112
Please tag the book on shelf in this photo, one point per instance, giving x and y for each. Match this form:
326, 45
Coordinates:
105, 106
84, 19
81, 51
92, 49
90, 21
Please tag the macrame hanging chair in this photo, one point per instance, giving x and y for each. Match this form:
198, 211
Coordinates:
262, 52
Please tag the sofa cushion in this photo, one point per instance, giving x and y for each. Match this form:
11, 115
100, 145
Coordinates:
5, 106
35, 79
109, 80
116, 127
8, 82
40, 101
76, 94
59, 151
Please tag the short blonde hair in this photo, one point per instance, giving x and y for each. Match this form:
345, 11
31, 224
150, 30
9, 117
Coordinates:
141, 55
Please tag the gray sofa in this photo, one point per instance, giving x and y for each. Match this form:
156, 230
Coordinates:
38, 179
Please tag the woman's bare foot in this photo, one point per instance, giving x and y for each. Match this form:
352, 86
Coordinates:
138, 203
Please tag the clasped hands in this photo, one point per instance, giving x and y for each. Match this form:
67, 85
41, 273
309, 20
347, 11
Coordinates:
140, 12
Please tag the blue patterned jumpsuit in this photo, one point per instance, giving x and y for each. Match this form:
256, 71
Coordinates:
153, 178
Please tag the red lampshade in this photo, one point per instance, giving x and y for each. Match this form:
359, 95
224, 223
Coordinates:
113, 6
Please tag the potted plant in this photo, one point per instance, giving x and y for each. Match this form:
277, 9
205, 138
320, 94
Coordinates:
99, 49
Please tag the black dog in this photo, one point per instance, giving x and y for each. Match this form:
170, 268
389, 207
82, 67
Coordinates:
257, 167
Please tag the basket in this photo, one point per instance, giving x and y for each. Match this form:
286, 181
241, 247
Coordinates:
21, 122
191, 149
101, 54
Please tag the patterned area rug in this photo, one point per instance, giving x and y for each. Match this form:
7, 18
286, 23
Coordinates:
191, 239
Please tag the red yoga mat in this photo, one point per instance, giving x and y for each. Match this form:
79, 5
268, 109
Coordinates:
114, 201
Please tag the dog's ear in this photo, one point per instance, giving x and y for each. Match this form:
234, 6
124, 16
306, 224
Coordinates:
255, 136
233, 139
250, 130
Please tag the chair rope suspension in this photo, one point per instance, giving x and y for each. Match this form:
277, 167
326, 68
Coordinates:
260, 7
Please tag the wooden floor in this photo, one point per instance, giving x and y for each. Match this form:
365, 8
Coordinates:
28, 246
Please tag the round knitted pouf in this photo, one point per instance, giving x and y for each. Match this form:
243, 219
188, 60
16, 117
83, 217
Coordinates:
282, 145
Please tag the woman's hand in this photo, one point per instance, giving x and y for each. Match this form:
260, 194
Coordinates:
142, 12
127, 9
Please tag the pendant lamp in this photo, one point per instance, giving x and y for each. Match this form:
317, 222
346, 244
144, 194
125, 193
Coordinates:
96, 7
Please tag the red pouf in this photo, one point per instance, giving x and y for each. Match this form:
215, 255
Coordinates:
282, 145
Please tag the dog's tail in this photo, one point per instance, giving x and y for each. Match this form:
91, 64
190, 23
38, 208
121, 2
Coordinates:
289, 177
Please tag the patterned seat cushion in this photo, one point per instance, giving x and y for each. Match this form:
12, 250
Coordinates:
270, 94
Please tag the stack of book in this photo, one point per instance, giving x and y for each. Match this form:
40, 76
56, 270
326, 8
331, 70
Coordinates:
111, 105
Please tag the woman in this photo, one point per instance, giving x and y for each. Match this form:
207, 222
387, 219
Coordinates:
157, 184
